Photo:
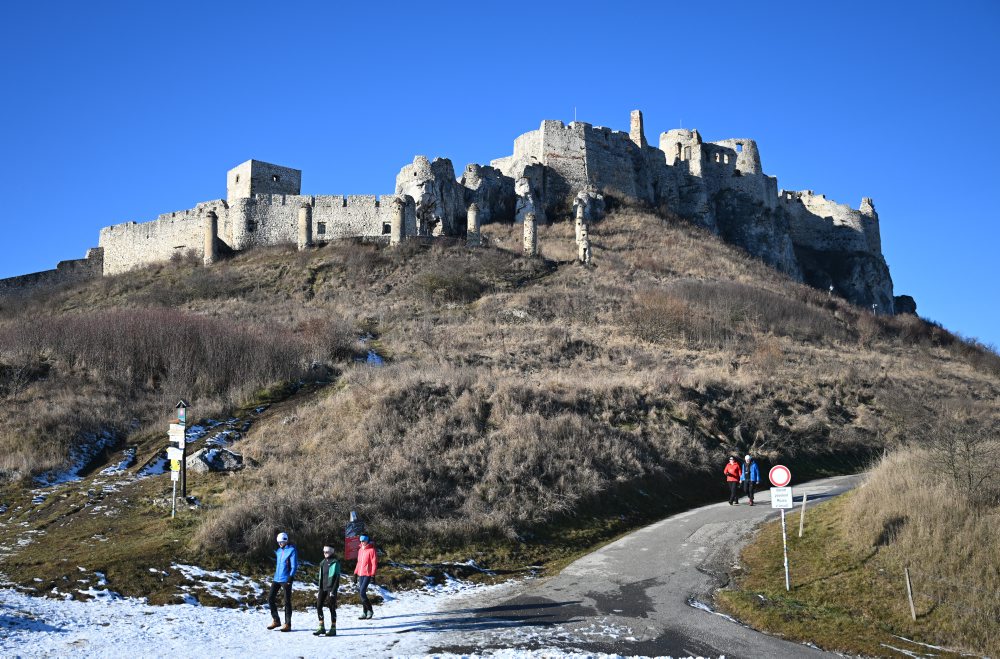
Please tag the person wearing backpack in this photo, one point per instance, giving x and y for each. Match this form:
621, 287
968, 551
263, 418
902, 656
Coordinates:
286, 562
732, 472
329, 582
367, 566
750, 477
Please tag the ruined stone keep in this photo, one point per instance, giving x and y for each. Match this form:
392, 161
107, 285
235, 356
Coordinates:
558, 171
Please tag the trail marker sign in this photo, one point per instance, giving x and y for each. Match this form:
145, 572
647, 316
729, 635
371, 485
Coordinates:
780, 476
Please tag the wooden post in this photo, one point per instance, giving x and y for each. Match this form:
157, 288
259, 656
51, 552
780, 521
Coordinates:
802, 515
909, 593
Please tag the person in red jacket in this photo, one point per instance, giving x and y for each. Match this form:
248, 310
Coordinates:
733, 473
366, 568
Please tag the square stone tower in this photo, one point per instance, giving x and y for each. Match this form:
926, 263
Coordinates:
257, 177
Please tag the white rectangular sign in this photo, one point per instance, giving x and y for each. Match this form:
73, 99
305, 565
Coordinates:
176, 431
781, 497
174, 453
175, 475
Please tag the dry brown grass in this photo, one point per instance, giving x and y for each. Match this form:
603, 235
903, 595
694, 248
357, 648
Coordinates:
911, 513
523, 393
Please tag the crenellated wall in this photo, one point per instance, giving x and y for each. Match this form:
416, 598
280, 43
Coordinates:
133, 244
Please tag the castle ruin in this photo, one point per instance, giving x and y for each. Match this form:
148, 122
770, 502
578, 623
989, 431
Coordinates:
557, 171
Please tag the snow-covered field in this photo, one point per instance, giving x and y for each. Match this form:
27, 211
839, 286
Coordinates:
408, 625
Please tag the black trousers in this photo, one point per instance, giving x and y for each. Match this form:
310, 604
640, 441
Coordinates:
328, 598
272, 599
748, 487
363, 583
734, 491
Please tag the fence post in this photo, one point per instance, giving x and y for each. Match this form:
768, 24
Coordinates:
909, 594
802, 515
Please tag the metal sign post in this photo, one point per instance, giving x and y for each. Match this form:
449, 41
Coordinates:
784, 545
781, 497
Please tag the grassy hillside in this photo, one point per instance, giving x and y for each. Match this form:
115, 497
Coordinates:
915, 513
529, 408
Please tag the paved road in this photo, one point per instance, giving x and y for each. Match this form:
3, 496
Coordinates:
640, 594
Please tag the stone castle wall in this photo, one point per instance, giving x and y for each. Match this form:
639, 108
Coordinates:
66, 272
822, 224
720, 185
133, 244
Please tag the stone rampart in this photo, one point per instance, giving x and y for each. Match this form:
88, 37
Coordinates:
65, 272
824, 225
133, 244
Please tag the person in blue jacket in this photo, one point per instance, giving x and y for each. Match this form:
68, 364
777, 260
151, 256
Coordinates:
287, 561
750, 476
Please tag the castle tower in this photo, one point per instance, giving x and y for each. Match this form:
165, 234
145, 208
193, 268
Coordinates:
530, 236
397, 221
472, 226
258, 177
305, 226
211, 224
635, 131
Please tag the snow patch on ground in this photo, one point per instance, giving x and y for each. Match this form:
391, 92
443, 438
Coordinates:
80, 456
221, 584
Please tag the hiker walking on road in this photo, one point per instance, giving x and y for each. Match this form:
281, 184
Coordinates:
750, 477
329, 582
367, 566
732, 473
287, 561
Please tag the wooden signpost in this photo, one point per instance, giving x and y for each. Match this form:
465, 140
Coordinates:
176, 454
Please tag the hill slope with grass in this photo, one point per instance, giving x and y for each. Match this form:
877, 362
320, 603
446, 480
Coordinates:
527, 410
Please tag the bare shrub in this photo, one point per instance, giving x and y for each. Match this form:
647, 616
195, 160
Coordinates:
449, 284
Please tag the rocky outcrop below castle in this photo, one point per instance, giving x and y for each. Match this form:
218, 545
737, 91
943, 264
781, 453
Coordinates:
552, 173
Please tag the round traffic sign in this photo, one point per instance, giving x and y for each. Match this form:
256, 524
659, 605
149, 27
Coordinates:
780, 476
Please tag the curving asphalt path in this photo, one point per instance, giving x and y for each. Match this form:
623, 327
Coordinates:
646, 593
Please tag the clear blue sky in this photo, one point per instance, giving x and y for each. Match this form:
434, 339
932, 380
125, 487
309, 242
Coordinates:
120, 111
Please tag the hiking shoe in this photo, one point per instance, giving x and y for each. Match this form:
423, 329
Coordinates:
332, 631
363, 616
751, 503
320, 631
371, 614
287, 627
274, 624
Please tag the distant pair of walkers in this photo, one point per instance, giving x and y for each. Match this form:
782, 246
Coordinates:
748, 475
287, 562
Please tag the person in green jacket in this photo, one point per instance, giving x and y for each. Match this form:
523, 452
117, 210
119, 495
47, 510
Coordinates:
329, 582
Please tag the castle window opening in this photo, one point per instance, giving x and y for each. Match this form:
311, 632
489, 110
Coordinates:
386, 228
725, 158
275, 178
251, 226
687, 153
678, 155
321, 228
237, 178
717, 157
739, 147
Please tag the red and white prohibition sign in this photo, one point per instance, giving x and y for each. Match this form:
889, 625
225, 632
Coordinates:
780, 476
